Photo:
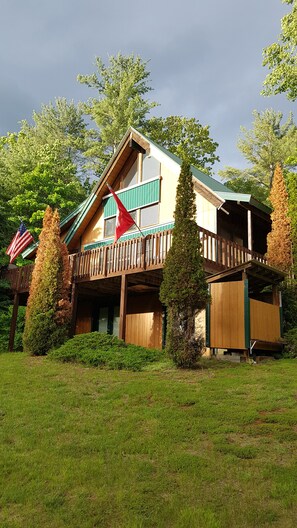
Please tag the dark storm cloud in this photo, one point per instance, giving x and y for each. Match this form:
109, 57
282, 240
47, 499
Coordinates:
205, 58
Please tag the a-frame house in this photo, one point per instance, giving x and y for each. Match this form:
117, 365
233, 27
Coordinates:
115, 287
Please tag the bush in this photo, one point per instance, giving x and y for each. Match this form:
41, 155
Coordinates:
5, 320
289, 297
43, 333
105, 351
290, 350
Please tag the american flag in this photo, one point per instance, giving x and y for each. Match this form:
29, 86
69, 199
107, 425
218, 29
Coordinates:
20, 241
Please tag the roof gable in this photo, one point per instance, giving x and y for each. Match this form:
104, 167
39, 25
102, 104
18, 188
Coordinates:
213, 190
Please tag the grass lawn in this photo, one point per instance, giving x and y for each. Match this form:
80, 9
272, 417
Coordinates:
84, 448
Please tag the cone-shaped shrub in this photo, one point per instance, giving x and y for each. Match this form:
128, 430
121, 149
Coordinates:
279, 240
48, 309
184, 289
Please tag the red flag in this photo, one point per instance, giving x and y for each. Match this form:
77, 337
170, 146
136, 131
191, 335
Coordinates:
20, 241
123, 220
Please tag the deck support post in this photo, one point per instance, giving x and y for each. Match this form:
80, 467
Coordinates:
275, 295
249, 230
123, 307
74, 295
13, 322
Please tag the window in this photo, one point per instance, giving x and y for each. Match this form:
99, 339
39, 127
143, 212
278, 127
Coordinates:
150, 168
103, 320
116, 321
134, 216
131, 176
107, 320
149, 215
110, 224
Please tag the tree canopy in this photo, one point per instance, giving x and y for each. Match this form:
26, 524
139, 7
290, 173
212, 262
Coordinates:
281, 58
186, 138
269, 142
43, 165
121, 89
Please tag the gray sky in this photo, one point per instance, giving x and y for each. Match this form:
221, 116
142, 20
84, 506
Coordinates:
205, 57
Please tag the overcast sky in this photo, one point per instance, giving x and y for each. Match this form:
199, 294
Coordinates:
205, 57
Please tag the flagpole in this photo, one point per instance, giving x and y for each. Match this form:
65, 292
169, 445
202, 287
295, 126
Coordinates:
139, 229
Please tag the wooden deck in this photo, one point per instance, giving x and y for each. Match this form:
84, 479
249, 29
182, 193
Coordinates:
138, 255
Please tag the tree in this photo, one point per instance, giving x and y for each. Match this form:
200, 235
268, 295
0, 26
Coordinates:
62, 123
281, 58
51, 182
279, 240
266, 144
43, 164
184, 290
121, 88
48, 308
245, 181
185, 137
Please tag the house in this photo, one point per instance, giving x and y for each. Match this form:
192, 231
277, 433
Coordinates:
115, 287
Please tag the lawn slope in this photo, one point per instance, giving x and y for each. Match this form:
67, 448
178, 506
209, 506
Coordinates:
83, 447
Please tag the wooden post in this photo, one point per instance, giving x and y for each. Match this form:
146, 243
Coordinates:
275, 295
13, 321
74, 295
249, 230
143, 254
123, 307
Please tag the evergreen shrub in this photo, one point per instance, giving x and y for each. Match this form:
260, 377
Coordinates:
105, 351
48, 308
290, 350
184, 289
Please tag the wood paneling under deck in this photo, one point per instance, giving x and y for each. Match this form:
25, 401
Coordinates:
227, 315
84, 317
265, 321
144, 321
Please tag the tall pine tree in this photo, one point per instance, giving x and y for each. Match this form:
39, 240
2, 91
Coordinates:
184, 289
48, 309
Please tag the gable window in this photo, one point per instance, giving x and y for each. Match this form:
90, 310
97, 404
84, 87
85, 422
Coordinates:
144, 168
131, 177
151, 168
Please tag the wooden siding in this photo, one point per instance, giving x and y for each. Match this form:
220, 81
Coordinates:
265, 321
227, 323
144, 321
83, 323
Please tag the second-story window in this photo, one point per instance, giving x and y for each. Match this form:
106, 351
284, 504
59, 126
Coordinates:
131, 177
151, 168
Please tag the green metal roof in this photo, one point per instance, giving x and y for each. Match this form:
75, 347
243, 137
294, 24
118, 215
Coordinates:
241, 197
72, 214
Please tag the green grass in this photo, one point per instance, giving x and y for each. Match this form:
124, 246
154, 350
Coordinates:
83, 447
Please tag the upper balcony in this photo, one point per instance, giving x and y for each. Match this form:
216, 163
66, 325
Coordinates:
139, 255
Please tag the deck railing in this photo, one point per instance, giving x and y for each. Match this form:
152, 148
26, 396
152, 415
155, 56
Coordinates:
139, 254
